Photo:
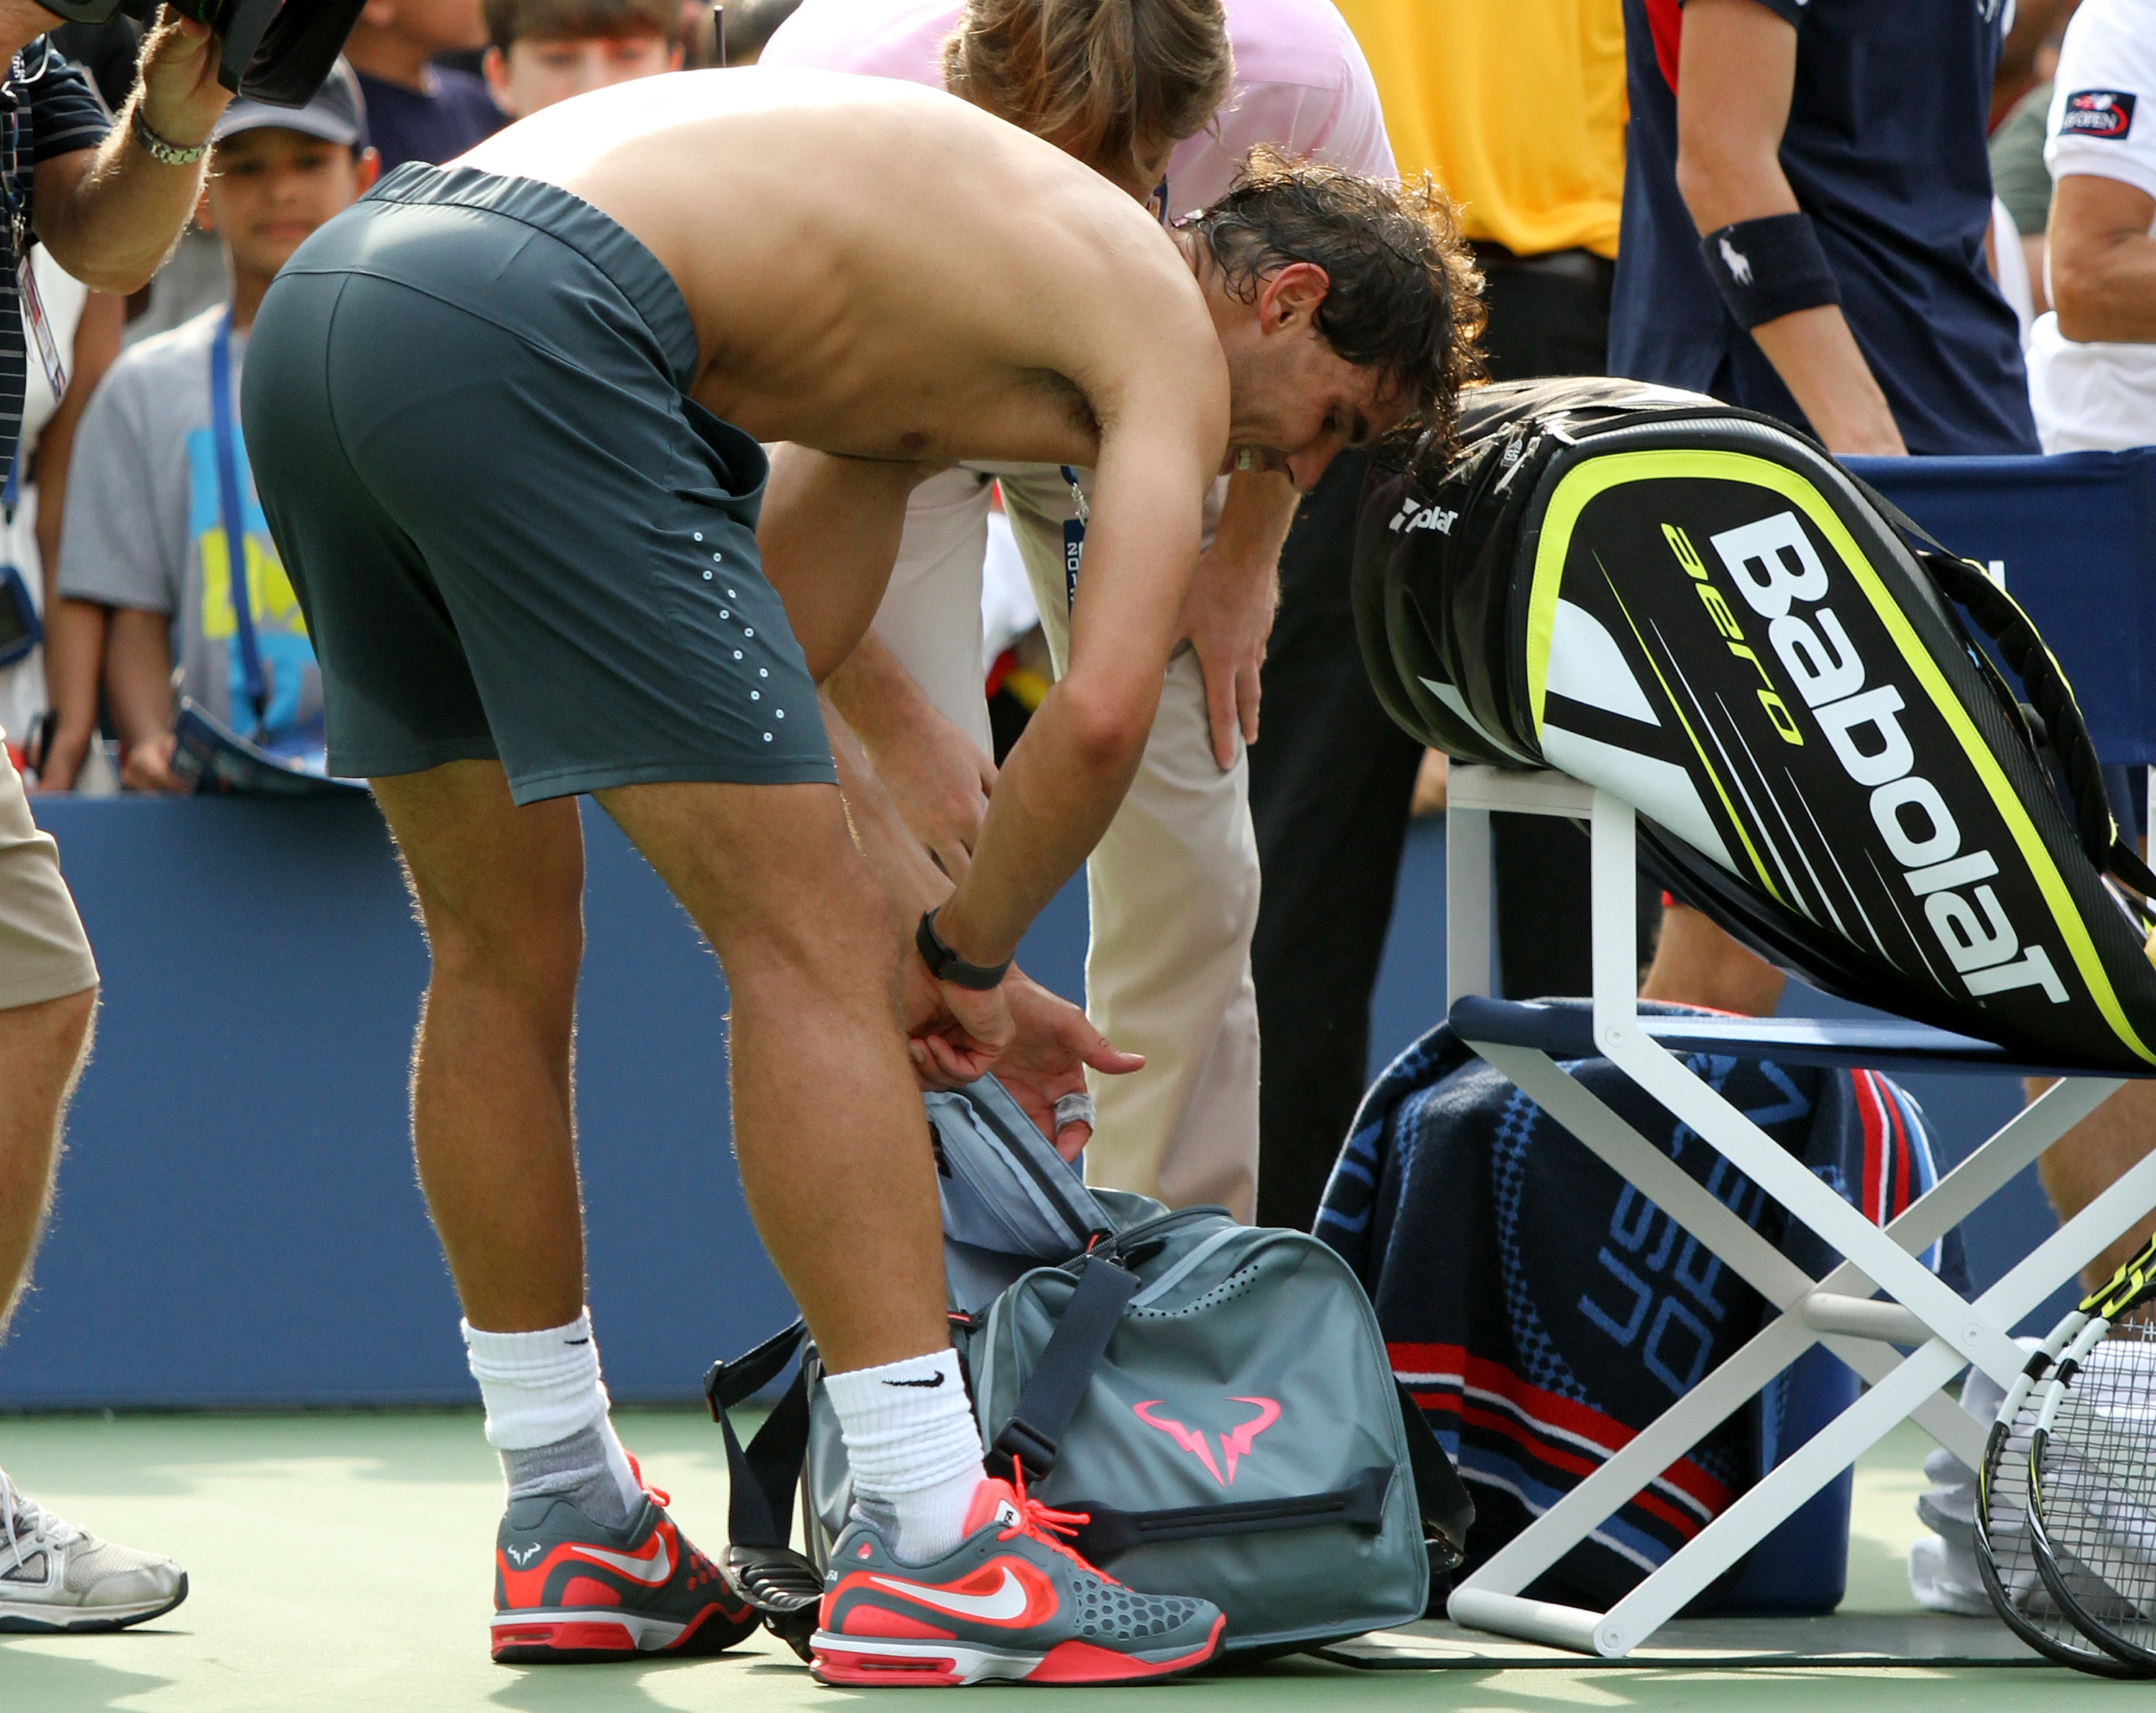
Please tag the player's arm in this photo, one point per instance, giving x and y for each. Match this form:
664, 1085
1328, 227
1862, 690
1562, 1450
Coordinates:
1161, 444
937, 779
1227, 615
1737, 69
2103, 261
828, 536
1051, 1041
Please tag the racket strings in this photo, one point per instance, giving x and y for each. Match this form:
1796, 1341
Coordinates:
2097, 1479
2009, 1546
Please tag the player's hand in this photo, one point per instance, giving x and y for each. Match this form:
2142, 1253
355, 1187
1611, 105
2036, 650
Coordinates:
1047, 1059
941, 783
1227, 616
953, 1034
148, 766
181, 95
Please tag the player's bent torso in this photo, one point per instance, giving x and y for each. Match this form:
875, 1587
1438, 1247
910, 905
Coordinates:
877, 270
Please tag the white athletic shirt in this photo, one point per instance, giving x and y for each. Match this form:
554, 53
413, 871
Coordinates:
2100, 396
1302, 82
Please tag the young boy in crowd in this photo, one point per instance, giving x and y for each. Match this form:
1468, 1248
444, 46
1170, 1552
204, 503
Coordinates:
159, 484
417, 109
544, 51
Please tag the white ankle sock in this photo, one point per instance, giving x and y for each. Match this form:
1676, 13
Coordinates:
913, 1449
542, 1390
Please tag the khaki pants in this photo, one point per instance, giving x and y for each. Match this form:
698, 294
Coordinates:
1173, 887
44, 953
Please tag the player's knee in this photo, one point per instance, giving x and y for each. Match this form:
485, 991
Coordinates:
838, 936
532, 940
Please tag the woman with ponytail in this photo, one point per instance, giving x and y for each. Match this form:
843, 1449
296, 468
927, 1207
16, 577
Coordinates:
1166, 99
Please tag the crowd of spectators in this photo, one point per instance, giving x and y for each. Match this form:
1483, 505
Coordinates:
1661, 121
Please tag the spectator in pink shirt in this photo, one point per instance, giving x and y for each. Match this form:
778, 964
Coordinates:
1165, 98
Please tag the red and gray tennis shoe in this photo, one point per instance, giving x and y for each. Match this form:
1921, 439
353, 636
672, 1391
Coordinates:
569, 1590
1010, 1602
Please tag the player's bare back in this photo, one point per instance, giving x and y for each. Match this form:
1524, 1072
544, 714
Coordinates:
880, 271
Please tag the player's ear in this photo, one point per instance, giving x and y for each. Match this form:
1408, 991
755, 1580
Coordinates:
1290, 297
493, 67
676, 56
365, 171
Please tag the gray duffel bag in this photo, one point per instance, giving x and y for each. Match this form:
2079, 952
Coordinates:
1215, 1396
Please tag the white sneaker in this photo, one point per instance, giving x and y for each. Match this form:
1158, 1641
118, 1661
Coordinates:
56, 1576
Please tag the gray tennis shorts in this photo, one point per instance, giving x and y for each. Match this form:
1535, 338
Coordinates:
511, 536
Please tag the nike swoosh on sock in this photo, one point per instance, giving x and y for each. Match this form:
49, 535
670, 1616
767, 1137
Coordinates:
933, 1381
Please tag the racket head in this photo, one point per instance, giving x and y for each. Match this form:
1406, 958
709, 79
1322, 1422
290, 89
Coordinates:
2005, 1557
2093, 1485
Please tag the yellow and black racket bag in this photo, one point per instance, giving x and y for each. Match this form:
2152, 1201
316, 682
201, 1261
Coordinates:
1693, 607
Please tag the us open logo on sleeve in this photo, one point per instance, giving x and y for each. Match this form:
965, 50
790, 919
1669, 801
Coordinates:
2098, 113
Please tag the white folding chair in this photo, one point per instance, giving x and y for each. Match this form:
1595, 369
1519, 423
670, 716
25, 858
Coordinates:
1882, 1296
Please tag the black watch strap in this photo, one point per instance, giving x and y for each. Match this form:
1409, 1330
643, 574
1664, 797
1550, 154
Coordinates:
947, 965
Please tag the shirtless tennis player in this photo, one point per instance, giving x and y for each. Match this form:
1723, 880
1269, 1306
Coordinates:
505, 418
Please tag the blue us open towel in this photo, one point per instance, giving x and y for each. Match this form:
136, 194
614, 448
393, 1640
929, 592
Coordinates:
1542, 1312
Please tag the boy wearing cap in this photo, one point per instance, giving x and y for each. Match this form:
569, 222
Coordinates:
544, 51
162, 504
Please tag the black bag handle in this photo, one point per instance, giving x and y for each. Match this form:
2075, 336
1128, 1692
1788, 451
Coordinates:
1052, 1392
761, 1478
1999, 616
1442, 1497
1107, 1533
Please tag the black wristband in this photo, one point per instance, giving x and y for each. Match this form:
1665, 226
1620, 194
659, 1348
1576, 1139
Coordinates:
945, 965
1769, 268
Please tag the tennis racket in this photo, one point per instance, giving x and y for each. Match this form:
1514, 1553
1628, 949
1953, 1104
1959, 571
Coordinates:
2006, 1552
2093, 1471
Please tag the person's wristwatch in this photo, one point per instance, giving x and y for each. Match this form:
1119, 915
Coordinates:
945, 966
157, 149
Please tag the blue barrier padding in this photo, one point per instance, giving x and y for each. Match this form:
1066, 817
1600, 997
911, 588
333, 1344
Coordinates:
2077, 535
238, 1222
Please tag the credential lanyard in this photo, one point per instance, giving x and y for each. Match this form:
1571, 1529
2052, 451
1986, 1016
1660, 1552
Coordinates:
235, 522
1074, 539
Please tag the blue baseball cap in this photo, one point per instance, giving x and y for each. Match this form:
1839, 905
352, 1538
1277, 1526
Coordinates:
337, 113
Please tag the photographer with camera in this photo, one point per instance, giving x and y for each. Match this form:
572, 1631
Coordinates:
107, 200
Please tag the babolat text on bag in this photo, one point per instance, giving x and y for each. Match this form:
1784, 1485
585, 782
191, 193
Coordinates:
1697, 610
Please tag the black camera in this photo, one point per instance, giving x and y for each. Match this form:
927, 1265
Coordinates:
277, 51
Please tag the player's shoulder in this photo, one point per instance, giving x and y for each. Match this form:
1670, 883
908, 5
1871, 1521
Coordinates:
896, 38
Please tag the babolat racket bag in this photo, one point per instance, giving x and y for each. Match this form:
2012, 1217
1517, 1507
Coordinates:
1691, 607
1215, 1399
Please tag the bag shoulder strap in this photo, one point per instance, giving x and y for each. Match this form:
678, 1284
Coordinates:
1441, 1497
1999, 616
1052, 1392
761, 1478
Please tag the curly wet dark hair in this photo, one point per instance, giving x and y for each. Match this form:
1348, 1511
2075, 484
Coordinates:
1406, 298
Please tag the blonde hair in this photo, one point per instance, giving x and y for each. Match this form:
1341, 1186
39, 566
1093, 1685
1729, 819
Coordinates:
1101, 79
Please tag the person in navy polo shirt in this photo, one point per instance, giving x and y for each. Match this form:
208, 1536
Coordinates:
1806, 196
1806, 193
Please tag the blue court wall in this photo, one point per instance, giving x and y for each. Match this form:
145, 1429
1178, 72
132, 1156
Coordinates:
238, 1222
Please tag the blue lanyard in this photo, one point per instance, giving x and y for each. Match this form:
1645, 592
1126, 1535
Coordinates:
1074, 528
235, 521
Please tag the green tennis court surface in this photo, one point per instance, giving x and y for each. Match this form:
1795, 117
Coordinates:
342, 1561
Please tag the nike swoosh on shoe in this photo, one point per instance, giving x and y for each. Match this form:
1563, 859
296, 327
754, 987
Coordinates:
651, 1571
1006, 1604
